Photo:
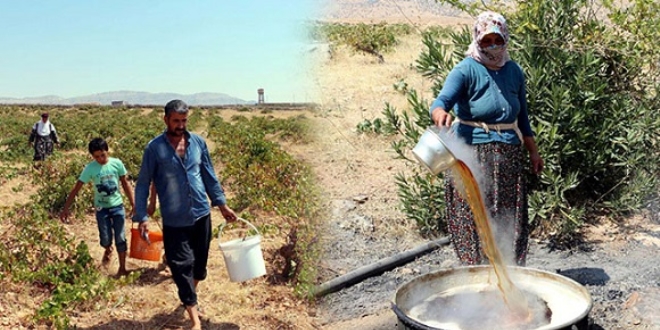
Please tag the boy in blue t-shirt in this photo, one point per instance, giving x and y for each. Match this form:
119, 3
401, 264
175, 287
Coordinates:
105, 173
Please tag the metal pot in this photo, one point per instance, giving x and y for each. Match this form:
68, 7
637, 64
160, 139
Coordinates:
568, 301
432, 152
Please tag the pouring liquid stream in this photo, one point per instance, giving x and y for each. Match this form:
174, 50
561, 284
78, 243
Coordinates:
513, 297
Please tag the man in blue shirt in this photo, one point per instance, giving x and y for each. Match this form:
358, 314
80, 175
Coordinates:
179, 165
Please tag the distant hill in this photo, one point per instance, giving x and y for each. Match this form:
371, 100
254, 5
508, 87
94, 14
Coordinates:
418, 12
130, 97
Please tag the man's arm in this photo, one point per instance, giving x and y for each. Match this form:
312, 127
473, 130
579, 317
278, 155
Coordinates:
211, 183
151, 208
142, 186
213, 187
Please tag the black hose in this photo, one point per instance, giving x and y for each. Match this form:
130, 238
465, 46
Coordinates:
377, 268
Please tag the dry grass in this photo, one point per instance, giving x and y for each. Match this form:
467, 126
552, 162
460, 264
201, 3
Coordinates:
356, 87
16, 190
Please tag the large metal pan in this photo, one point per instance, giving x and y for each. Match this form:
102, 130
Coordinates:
568, 301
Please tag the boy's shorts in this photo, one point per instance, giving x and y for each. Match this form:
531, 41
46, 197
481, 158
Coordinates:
111, 224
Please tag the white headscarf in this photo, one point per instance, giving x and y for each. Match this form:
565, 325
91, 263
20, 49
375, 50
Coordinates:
42, 128
487, 23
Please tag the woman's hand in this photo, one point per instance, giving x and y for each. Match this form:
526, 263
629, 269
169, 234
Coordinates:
441, 117
535, 159
536, 162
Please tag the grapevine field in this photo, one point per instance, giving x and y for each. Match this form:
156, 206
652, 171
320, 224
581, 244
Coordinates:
51, 274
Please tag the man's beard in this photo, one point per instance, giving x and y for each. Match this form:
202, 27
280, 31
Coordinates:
176, 132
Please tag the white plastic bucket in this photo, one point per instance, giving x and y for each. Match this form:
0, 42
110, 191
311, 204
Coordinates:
243, 256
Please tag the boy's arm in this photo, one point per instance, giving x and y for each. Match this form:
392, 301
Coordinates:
69, 200
129, 193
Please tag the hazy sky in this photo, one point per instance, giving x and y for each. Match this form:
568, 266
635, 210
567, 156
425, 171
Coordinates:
73, 48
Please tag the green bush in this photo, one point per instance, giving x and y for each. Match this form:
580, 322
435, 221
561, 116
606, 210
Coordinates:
259, 172
37, 251
376, 126
16, 127
592, 94
374, 39
264, 178
55, 178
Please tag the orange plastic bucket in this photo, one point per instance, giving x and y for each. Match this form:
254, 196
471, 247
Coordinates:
141, 249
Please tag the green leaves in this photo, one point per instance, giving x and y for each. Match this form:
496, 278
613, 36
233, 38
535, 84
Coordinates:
584, 97
422, 198
256, 168
593, 99
374, 39
421, 195
37, 252
263, 178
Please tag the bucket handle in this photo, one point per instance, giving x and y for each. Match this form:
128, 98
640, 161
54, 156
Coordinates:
222, 226
149, 220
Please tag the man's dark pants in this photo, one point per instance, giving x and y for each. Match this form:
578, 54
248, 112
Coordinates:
187, 251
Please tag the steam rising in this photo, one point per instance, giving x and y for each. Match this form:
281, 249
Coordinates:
472, 308
502, 226
476, 309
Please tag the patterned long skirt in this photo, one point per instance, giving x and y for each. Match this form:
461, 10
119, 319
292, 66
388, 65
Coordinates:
43, 147
505, 197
